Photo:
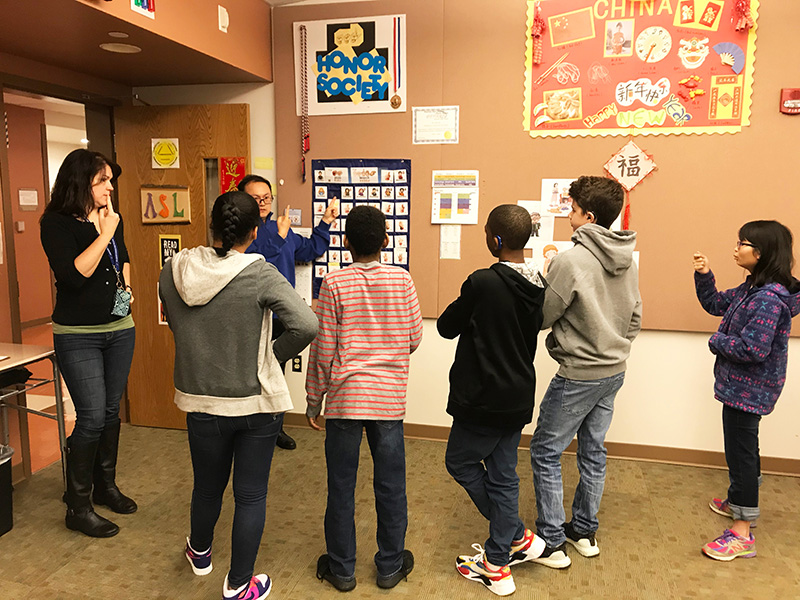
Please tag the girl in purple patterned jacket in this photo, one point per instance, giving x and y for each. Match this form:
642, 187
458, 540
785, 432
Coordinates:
751, 347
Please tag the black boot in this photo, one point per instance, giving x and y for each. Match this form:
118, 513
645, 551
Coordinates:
285, 441
80, 514
106, 492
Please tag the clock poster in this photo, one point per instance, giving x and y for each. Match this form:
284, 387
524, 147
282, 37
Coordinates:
638, 67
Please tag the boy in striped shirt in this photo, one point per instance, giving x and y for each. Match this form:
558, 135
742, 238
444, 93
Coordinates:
369, 324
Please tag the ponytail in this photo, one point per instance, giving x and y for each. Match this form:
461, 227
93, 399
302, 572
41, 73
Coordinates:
234, 216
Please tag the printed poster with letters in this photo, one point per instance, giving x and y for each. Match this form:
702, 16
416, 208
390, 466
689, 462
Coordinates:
353, 66
384, 184
649, 67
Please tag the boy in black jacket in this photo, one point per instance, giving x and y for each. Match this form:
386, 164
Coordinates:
498, 316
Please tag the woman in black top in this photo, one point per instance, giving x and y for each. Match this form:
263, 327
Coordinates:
93, 331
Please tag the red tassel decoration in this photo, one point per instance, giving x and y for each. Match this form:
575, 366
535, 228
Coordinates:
741, 15
537, 32
626, 216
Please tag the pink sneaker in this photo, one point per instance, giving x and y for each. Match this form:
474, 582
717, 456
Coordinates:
259, 587
729, 546
721, 507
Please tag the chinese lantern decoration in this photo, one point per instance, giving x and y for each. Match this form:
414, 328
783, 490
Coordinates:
741, 15
537, 31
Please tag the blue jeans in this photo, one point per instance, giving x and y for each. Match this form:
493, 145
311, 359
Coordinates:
484, 461
95, 367
571, 407
744, 462
386, 443
248, 442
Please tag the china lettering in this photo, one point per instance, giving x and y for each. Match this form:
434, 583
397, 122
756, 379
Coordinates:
165, 205
367, 74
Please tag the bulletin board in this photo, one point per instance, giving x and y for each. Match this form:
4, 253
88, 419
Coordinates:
382, 184
466, 53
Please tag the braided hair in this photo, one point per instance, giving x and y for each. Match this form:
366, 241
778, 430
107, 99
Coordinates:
234, 216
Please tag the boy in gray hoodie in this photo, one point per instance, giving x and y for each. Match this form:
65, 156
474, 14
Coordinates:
593, 306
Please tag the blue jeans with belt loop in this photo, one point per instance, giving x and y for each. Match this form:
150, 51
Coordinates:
248, 443
386, 443
95, 367
744, 462
571, 407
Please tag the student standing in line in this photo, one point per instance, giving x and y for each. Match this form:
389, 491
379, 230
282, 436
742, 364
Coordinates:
93, 330
229, 382
282, 247
370, 323
751, 347
593, 306
492, 384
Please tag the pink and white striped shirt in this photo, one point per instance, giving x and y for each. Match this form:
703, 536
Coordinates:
369, 324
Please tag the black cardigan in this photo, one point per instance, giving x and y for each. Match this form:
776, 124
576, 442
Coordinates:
497, 316
80, 300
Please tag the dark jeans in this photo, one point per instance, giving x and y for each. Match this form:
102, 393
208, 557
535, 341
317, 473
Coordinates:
484, 461
95, 367
248, 442
744, 462
386, 443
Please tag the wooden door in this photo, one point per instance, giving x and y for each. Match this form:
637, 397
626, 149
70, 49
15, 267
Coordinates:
203, 131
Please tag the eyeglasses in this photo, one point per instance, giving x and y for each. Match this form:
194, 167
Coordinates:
263, 199
739, 245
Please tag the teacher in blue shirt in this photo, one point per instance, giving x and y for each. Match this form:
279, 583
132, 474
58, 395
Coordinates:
282, 247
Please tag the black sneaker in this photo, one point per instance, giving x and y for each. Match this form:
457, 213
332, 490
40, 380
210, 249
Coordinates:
285, 441
389, 581
324, 572
555, 558
584, 543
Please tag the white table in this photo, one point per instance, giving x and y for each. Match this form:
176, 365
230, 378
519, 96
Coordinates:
21, 355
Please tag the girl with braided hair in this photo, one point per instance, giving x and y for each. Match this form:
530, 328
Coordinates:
228, 379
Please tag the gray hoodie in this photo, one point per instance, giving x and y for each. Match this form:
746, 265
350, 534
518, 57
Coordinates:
220, 312
592, 303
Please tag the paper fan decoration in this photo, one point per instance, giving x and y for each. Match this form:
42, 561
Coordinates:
731, 55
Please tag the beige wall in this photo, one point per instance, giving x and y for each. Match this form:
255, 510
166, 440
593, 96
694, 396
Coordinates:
667, 399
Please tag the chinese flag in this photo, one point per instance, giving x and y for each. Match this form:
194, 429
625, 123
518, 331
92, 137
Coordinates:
571, 27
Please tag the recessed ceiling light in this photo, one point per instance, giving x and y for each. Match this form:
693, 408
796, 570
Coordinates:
120, 48
84, 141
118, 34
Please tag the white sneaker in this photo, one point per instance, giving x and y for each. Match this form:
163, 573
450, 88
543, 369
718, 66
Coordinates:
555, 558
585, 544
474, 568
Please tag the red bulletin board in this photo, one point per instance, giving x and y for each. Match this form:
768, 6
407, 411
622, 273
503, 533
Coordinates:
621, 67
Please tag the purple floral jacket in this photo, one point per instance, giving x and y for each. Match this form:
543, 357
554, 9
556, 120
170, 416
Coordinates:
751, 344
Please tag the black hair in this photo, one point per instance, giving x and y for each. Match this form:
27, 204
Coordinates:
773, 242
601, 196
365, 229
234, 216
248, 179
512, 223
72, 190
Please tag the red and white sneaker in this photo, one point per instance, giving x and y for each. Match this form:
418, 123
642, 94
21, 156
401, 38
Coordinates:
531, 546
474, 568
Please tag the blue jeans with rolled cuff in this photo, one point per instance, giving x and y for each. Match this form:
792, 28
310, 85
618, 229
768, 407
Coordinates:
744, 462
386, 443
95, 367
483, 460
571, 407
248, 443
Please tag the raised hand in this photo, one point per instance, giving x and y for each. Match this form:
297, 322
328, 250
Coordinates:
332, 211
700, 263
107, 220
284, 223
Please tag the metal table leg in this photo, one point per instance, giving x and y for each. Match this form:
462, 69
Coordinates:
62, 433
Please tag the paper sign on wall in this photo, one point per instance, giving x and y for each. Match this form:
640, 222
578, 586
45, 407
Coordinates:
165, 153
168, 245
435, 124
353, 66
455, 197
165, 205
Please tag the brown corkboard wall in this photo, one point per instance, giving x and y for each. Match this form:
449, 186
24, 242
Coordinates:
471, 53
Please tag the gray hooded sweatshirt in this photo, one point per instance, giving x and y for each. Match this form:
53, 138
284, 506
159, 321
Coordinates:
220, 312
592, 303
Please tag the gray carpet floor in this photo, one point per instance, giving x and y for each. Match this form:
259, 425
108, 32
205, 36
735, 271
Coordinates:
654, 519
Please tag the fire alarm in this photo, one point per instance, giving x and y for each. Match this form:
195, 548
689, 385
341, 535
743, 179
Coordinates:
790, 101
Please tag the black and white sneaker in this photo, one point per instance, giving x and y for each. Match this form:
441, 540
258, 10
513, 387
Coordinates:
584, 543
555, 558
